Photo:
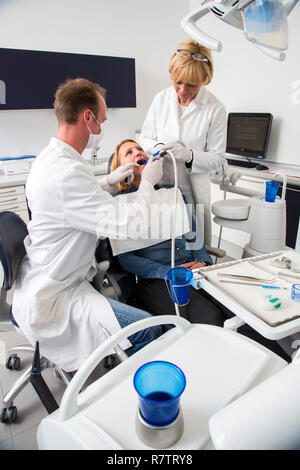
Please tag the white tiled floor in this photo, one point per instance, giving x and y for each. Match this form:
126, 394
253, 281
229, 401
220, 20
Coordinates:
21, 435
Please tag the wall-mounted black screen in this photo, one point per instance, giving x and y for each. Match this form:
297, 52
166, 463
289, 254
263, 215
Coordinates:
28, 79
248, 134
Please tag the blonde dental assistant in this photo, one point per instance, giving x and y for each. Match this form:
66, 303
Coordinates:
190, 121
54, 301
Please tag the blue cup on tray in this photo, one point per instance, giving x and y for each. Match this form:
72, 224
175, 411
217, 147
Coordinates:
178, 281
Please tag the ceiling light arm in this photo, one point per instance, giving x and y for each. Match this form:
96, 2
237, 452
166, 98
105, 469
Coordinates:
189, 26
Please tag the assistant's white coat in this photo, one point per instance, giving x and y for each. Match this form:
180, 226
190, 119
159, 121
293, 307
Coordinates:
202, 128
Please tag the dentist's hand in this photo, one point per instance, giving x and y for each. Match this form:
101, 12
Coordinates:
121, 173
179, 151
153, 171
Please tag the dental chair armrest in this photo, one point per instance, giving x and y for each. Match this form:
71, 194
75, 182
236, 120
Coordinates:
218, 252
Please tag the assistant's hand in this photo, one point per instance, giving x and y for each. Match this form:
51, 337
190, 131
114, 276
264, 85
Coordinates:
121, 173
153, 171
179, 151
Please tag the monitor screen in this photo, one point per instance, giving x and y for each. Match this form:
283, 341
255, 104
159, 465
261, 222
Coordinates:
248, 134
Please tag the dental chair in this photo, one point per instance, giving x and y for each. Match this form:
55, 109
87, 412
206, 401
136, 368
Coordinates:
13, 230
111, 279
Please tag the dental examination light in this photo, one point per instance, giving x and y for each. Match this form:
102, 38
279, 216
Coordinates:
264, 23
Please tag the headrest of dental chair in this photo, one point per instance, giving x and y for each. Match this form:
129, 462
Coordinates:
109, 163
13, 230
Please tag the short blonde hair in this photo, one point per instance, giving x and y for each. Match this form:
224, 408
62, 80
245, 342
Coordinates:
188, 70
115, 162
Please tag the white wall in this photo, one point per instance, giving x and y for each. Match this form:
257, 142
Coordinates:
248, 80
145, 30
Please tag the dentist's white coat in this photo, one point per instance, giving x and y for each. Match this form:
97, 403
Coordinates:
201, 128
53, 300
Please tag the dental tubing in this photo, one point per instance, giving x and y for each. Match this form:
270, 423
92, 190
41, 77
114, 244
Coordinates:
164, 152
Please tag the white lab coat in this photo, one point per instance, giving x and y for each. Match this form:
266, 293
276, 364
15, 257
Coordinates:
53, 300
202, 128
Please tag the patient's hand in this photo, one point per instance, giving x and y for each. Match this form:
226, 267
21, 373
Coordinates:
193, 265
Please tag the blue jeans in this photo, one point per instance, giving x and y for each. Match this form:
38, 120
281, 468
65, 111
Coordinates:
126, 315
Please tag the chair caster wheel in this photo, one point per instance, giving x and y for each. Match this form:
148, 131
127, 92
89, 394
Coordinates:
13, 363
9, 415
4, 416
110, 362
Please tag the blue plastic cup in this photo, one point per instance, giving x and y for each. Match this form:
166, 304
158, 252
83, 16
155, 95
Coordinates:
295, 292
159, 385
271, 190
180, 279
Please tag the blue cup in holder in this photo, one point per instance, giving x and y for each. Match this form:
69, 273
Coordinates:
179, 280
271, 190
159, 385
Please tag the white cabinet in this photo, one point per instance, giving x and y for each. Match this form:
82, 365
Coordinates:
12, 198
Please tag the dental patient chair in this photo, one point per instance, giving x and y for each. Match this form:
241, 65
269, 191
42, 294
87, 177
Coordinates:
111, 279
12, 251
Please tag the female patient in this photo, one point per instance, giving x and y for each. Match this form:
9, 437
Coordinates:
152, 263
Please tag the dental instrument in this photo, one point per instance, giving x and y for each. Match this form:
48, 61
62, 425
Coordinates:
265, 286
246, 278
154, 155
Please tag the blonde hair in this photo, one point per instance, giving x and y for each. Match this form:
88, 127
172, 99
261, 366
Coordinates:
188, 70
115, 163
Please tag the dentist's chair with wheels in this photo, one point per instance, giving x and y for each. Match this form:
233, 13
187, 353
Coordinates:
12, 251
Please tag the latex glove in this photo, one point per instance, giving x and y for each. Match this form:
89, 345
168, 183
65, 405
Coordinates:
121, 173
179, 151
153, 171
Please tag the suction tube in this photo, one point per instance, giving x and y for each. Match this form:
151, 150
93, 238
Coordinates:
163, 153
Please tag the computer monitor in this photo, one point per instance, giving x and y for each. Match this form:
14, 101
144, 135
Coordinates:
248, 134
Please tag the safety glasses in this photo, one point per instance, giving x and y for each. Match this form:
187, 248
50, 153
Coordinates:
195, 55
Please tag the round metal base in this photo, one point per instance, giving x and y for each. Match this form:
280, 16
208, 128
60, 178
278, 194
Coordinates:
159, 437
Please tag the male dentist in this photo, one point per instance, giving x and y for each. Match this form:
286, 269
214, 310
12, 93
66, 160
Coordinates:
54, 301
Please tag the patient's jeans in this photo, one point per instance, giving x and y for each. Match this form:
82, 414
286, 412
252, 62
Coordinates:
126, 315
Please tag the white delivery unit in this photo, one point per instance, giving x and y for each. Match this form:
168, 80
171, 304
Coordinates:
219, 365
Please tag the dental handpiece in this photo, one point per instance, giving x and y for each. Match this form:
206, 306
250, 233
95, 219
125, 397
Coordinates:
161, 154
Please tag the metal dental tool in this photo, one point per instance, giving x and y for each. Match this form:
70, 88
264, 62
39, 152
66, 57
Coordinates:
246, 278
265, 286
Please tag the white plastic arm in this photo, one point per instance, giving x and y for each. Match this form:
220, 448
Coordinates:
69, 404
189, 26
275, 54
